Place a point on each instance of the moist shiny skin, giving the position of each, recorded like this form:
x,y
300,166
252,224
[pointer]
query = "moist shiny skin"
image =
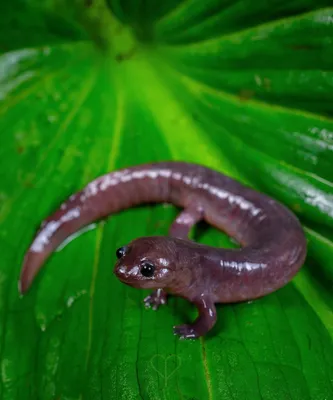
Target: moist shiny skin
x,y
272,242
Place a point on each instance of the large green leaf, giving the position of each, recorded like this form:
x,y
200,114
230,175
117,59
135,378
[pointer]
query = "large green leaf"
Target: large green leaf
x,y
88,87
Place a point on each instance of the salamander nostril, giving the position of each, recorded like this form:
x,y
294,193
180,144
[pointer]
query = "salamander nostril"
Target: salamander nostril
x,y
120,271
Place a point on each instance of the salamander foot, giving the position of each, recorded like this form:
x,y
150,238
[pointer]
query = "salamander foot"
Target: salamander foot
x,y
185,331
157,298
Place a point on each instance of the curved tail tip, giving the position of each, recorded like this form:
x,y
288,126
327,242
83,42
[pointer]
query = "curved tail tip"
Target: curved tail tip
x,y
31,266
23,283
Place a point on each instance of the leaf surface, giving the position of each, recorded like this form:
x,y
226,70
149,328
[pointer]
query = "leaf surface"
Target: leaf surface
x,y
88,87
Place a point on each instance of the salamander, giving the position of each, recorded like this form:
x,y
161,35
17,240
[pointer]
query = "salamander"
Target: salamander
x,y
272,244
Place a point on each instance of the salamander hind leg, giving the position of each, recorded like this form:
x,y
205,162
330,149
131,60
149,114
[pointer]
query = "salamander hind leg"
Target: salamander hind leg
x,y
204,322
157,298
185,221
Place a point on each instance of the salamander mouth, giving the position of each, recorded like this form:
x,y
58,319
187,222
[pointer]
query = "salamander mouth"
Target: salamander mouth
x,y
130,282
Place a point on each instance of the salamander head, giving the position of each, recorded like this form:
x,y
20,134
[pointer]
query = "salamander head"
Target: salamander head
x,y
148,262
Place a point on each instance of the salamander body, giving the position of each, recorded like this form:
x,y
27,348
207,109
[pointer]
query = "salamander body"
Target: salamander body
x,y
272,241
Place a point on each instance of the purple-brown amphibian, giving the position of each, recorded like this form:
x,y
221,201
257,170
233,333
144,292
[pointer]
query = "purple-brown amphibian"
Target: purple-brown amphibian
x,y
272,242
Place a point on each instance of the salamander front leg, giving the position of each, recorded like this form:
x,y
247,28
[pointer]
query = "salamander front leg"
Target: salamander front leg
x,y
185,221
157,298
204,322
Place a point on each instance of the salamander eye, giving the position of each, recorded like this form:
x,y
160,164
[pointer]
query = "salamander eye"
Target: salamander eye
x,y
121,251
147,269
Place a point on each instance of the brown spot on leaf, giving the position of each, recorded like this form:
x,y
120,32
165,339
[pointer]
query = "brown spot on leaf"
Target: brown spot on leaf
x,y
267,83
125,56
303,47
246,94
28,184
